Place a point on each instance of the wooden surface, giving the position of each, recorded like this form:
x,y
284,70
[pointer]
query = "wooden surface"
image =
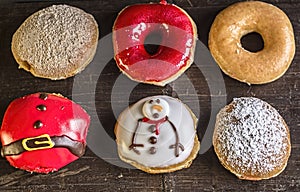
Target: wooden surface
x,y
92,173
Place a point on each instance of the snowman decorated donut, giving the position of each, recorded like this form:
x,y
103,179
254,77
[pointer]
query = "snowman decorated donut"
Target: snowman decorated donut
x,y
157,135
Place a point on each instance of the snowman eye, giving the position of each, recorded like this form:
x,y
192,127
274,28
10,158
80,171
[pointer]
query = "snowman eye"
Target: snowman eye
x,y
157,101
151,101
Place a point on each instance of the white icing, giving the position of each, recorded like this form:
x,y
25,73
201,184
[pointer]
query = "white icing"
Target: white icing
x,y
178,114
158,107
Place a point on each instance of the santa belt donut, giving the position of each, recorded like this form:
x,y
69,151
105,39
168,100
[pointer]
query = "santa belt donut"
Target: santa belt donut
x,y
43,142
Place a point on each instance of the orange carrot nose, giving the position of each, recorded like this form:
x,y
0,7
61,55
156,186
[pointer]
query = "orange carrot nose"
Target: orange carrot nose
x,y
157,107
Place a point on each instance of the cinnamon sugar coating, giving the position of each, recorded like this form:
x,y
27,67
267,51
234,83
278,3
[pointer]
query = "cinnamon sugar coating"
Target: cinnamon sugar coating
x,y
56,42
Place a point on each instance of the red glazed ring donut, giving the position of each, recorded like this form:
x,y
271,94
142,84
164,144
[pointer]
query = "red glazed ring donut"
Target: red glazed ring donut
x,y
175,52
43,132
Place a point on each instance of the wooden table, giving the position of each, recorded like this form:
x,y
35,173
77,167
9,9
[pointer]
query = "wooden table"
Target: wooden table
x,y
91,172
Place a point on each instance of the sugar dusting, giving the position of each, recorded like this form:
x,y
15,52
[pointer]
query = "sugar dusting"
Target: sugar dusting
x,y
252,136
56,38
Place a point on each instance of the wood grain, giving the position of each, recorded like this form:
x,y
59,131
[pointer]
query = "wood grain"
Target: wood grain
x,y
92,173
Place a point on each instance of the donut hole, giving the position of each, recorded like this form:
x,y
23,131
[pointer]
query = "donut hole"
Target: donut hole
x,y
152,42
252,42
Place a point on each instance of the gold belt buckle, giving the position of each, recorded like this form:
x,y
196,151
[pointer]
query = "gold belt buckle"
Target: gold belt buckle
x,y
37,143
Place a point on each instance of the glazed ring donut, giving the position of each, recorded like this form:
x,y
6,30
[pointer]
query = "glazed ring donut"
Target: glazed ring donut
x,y
251,139
175,53
240,19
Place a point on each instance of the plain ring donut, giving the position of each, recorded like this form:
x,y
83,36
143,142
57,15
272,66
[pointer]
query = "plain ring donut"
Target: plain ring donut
x,y
175,53
240,19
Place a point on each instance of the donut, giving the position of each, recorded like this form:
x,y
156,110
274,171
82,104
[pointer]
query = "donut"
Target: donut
x,y
43,132
56,42
243,18
251,139
175,33
157,134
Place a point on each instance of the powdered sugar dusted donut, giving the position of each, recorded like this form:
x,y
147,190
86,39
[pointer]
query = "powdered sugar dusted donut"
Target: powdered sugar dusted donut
x,y
251,139
157,134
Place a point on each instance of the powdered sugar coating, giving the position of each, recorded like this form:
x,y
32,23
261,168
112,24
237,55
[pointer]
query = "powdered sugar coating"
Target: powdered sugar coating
x,y
251,138
56,41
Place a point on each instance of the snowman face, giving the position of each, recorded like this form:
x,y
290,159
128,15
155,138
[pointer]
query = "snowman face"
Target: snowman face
x,y
156,108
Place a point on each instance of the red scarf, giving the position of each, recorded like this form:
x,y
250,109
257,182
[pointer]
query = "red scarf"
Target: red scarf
x,y
155,122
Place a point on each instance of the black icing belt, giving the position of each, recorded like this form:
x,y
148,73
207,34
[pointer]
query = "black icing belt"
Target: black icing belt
x,y
43,142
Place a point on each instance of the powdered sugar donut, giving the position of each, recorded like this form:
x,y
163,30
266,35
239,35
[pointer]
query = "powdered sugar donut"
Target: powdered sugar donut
x,y
251,139
157,134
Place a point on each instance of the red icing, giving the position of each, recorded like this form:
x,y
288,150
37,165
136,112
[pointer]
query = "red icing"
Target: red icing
x,y
155,122
163,2
61,117
135,23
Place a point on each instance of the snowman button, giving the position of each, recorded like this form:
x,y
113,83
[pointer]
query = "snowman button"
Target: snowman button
x,y
152,129
152,150
153,140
